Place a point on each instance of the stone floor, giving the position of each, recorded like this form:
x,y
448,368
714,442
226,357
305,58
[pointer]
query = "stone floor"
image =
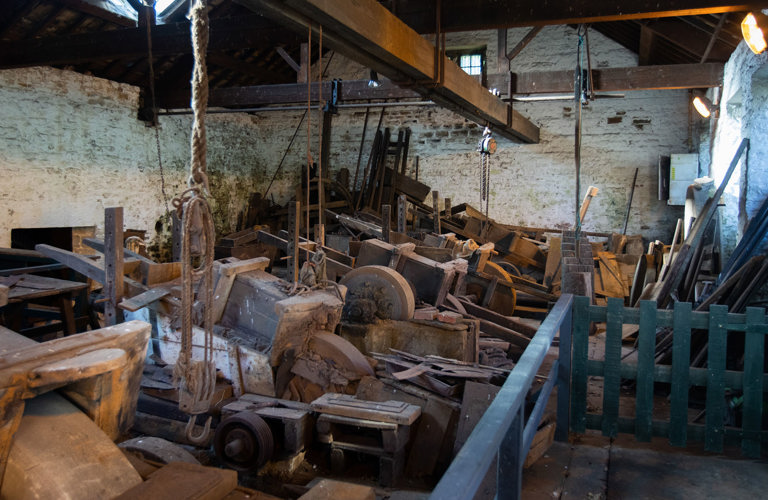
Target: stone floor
x,y
595,467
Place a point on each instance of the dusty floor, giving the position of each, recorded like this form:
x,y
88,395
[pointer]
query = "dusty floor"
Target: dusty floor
x,y
595,467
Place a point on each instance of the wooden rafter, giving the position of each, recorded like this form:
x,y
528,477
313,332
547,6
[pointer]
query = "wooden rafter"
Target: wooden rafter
x,y
468,15
368,33
292,93
169,39
674,76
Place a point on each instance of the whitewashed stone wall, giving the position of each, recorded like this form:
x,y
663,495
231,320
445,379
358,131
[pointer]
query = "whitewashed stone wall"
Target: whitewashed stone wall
x,y
70,145
743,114
534,184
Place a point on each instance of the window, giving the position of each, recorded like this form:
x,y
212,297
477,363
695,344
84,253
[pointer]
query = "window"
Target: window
x,y
471,60
472,63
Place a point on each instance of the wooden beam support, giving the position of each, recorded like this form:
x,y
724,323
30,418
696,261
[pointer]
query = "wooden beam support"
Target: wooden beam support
x,y
673,76
370,34
168,39
470,15
291,93
688,39
288,59
528,38
113,264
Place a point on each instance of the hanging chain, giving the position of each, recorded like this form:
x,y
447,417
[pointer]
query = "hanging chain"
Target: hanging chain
x,y
162,174
486,147
155,119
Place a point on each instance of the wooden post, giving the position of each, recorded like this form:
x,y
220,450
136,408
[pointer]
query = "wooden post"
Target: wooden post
x,y
386,222
113,265
293,244
448,208
436,212
402,207
323,171
303,74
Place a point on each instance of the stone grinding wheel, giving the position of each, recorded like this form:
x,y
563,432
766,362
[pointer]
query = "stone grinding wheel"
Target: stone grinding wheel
x,y
379,285
244,441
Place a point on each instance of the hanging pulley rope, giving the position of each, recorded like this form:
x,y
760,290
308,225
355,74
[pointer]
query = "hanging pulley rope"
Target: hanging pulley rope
x,y
197,378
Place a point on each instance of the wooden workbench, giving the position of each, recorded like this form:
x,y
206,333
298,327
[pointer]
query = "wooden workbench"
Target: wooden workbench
x,y
26,289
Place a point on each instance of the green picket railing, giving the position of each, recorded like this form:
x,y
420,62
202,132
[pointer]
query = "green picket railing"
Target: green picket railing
x,y
680,375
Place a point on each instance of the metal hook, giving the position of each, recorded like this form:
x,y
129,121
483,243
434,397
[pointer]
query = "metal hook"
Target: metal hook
x,y
204,437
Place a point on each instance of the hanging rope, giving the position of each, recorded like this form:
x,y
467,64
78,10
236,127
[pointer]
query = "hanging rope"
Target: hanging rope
x,y
197,378
320,125
309,126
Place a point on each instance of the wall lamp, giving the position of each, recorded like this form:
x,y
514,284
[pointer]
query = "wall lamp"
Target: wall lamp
x,y
753,29
373,81
702,104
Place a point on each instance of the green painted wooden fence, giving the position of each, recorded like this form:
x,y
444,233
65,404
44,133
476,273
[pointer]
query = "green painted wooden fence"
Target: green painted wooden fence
x,y
717,323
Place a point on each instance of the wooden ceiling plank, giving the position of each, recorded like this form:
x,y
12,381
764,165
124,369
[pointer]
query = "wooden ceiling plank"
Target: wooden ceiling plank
x,y
367,32
169,39
674,76
470,15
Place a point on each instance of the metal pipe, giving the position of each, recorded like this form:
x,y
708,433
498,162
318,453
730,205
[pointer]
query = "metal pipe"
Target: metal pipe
x,y
299,108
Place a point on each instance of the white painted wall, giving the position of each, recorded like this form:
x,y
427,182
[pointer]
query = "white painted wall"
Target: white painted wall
x,y
743,114
534,185
71,145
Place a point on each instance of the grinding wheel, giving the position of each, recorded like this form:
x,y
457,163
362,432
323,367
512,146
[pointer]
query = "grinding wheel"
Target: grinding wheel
x,y
377,290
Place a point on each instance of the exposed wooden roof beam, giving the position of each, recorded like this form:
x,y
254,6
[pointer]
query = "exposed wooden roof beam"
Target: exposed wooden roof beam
x,y
365,31
675,76
714,37
291,93
101,9
687,38
468,15
169,39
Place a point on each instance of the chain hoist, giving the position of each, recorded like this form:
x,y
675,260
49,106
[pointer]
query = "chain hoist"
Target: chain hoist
x,y
486,147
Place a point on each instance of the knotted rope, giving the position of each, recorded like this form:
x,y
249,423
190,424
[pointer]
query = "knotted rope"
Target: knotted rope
x,y
197,378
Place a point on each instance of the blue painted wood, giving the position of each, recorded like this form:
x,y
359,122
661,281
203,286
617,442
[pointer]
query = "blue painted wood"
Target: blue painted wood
x,y
646,346
564,379
681,362
612,367
466,472
754,349
509,472
538,409
716,351
580,342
